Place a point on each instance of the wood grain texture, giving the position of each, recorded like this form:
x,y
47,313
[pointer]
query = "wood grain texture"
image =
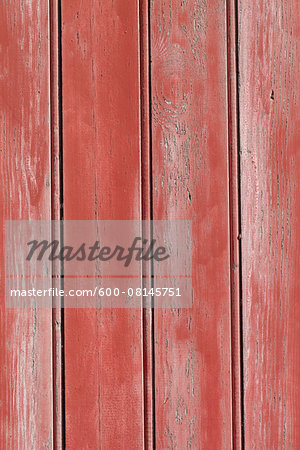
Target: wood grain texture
x,y
190,181
148,123
25,193
102,179
269,121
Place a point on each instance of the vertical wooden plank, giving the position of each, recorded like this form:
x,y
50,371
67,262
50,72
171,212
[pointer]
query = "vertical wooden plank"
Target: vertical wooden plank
x,y
269,118
56,214
102,174
25,193
146,182
190,181
235,226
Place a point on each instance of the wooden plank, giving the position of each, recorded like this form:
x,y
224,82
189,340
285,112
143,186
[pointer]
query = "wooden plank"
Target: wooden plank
x,y
25,193
269,121
56,211
102,176
235,226
146,169
190,181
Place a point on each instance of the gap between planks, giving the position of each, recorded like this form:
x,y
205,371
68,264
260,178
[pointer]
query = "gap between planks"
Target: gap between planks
x,y
238,441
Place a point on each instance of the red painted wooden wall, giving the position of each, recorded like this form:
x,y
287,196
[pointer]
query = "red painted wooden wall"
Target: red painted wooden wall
x,y
157,109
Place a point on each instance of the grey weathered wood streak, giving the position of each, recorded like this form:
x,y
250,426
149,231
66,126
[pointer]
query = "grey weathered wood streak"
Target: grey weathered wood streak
x,y
269,121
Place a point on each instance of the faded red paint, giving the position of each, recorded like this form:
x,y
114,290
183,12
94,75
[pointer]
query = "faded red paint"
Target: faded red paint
x,y
269,96
102,178
190,181
25,193
152,124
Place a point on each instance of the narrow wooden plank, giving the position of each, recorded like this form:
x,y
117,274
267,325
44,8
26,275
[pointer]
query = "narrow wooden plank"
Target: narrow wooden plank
x,y
25,193
269,117
102,175
190,181
56,211
146,169
235,226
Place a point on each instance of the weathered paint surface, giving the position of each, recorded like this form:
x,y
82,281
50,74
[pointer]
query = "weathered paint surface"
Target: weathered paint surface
x,y
25,193
116,384
102,178
269,120
190,181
